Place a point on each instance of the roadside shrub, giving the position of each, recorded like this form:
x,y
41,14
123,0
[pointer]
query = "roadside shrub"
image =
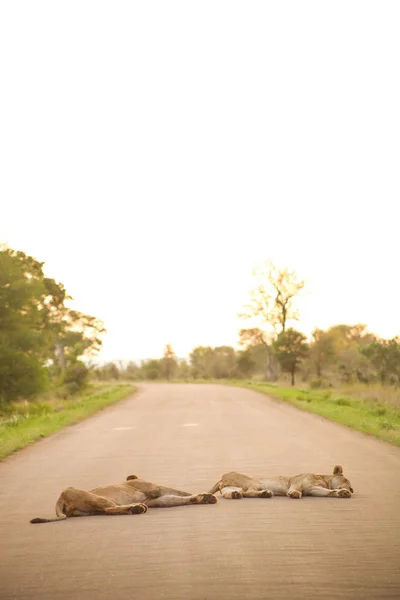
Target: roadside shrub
x,y
315,384
21,375
76,376
342,402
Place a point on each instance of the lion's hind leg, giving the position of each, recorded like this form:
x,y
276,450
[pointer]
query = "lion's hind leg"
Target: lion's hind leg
x,y
257,494
317,490
126,509
79,503
231,492
169,500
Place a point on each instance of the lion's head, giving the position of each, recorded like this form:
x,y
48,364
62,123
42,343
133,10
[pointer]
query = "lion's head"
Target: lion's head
x,y
339,481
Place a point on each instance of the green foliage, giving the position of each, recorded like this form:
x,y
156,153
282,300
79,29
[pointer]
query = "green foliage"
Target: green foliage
x,y
385,357
107,372
152,369
201,360
21,374
37,329
219,363
322,350
290,348
131,371
337,355
76,376
183,370
246,363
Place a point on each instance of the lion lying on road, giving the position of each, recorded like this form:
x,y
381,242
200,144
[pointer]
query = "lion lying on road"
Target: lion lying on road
x,y
134,496
235,485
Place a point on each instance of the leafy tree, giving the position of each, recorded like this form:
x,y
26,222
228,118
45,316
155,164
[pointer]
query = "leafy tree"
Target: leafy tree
x,y
183,371
152,369
207,362
201,360
131,371
290,348
36,326
254,343
385,357
246,364
76,376
21,374
322,350
223,362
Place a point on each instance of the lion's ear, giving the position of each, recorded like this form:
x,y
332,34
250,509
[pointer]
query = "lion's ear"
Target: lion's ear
x,y
338,470
132,477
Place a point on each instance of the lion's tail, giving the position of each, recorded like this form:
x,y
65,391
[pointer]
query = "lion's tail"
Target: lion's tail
x,y
61,516
216,488
40,520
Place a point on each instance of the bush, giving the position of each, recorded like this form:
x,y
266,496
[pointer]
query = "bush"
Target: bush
x,y
315,384
21,375
75,376
342,402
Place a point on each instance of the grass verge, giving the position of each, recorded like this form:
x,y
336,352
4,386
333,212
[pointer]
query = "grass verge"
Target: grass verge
x,y
367,416
36,420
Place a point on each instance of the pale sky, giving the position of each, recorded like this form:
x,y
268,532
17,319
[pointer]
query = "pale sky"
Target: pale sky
x,y
151,152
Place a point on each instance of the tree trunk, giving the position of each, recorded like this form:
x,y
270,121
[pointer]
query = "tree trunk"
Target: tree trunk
x,y
292,374
272,365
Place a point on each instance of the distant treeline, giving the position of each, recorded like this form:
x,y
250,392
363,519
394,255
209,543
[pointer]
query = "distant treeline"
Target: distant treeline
x,y
340,354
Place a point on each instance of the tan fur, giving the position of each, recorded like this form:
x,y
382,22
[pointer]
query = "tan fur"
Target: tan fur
x,y
134,496
236,485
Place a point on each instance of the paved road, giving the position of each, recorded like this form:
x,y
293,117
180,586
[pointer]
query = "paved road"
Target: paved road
x,y
186,436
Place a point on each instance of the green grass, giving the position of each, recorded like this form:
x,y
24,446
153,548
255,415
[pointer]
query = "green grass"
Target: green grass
x,y
31,421
365,415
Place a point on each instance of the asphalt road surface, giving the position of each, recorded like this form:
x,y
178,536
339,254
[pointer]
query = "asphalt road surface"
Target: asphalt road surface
x,y
186,436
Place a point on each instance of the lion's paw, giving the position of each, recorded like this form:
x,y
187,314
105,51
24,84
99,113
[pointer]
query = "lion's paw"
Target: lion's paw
x,y
266,494
207,499
294,494
343,493
138,509
235,495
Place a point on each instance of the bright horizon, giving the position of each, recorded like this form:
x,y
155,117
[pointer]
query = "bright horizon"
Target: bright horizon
x,y
153,153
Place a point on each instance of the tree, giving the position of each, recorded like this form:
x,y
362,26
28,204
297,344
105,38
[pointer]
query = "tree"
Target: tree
x,y
290,348
200,361
339,348
152,369
131,371
255,352
245,363
272,302
21,375
272,306
322,350
169,362
385,357
183,371
218,363
36,326
223,362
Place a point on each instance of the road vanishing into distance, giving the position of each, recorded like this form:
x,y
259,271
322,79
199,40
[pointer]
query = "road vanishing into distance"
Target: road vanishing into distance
x,y
186,436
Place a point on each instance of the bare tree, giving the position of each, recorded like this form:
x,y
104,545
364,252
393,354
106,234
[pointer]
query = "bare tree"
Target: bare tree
x,y
272,306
